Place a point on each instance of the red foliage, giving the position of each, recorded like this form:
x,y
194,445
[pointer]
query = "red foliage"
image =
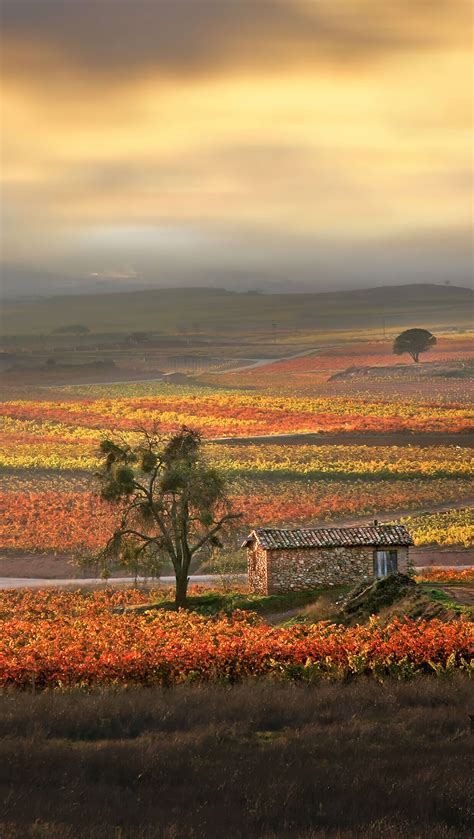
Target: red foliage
x,y
447,575
67,521
61,640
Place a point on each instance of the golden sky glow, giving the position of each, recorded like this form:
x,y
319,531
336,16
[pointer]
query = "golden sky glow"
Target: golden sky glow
x,y
301,140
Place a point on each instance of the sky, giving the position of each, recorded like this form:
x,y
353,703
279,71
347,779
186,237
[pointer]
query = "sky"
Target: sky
x,y
284,144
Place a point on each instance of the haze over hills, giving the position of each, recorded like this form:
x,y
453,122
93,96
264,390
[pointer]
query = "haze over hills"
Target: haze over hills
x,y
285,265
217,310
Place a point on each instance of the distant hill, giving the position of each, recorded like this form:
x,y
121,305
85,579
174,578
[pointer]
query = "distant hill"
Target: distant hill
x,y
217,311
18,281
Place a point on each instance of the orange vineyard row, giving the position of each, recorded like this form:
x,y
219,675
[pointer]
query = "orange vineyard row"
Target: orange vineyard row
x,y
62,640
67,520
232,414
446,575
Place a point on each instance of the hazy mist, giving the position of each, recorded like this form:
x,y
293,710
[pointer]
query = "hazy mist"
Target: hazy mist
x,y
274,145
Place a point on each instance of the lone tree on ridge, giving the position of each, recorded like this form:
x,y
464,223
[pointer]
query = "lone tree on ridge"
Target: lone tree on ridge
x,y
414,342
173,503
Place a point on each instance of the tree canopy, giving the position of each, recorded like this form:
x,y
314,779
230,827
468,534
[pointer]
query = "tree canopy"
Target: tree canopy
x,y
414,342
172,503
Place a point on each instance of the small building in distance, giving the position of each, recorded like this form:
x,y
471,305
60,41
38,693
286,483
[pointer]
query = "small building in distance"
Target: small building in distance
x,y
293,560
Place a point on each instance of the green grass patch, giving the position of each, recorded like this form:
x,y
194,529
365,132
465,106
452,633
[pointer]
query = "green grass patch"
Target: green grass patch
x,y
211,603
442,597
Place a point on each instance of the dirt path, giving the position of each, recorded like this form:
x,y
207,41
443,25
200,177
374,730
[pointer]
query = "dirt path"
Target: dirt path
x,y
464,595
392,515
111,377
206,580
430,438
262,362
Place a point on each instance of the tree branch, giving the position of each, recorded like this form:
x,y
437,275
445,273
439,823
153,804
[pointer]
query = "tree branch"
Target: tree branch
x,y
220,524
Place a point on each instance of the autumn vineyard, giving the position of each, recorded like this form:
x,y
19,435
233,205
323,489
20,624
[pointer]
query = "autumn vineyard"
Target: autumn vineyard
x,y
48,457
49,454
65,640
236,420
332,437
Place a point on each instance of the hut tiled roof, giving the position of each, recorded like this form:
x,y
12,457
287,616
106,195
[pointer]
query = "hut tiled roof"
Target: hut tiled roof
x,y
376,535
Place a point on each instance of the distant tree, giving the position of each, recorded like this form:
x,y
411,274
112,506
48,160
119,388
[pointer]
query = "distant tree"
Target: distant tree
x,y
173,503
414,342
139,338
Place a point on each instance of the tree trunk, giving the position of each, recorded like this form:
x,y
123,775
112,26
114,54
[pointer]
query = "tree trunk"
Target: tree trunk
x,y
415,356
181,590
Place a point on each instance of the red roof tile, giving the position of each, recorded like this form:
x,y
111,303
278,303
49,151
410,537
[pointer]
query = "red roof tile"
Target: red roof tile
x,y
377,535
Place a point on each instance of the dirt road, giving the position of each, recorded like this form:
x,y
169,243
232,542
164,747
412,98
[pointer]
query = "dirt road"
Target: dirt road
x,y
262,362
209,580
464,595
348,438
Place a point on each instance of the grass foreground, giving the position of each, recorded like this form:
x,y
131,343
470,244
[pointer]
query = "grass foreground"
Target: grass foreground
x,y
259,759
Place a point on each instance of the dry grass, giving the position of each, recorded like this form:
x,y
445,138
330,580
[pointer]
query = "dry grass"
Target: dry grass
x,y
255,760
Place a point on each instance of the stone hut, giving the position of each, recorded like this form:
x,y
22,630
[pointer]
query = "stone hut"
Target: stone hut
x,y
293,560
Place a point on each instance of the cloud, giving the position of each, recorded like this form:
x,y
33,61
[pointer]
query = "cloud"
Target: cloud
x,y
115,274
114,39
211,133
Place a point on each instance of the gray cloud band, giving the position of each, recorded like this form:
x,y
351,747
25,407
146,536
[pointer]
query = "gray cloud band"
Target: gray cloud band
x,y
198,36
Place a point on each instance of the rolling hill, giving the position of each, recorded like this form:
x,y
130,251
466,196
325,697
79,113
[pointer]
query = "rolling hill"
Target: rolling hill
x,y
220,312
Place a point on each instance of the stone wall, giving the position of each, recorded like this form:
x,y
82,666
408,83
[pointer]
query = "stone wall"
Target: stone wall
x,y
276,571
257,569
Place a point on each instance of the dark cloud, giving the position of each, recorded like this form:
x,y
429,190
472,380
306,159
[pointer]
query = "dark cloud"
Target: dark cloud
x,y
180,37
